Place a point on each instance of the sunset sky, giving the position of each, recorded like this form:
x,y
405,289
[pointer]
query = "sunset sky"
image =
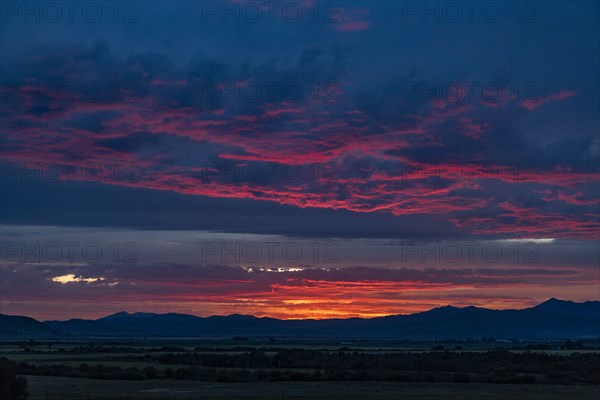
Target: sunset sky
x,y
297,159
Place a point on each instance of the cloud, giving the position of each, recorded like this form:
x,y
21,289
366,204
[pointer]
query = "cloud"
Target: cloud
x,y
532,104
354,19
260,132
361,121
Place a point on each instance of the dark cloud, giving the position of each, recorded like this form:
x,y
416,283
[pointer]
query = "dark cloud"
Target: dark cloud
x,y
74,203
130,143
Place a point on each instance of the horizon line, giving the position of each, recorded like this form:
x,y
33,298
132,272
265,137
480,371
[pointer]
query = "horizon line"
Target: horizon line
x,y
302,319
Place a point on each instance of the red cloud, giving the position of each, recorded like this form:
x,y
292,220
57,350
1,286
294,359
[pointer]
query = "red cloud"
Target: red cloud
x,y
350,20
532,104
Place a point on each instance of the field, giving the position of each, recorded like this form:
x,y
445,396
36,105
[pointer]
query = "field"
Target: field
x,y
188,369
78,388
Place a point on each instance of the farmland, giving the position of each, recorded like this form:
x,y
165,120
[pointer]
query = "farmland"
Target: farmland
x,y
219,369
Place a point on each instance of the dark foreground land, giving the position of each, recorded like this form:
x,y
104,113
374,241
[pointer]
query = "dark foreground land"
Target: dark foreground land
x,y
303,370
77,388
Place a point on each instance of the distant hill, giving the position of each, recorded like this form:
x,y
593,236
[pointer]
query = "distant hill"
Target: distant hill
x,y
15,326
562,307
553,319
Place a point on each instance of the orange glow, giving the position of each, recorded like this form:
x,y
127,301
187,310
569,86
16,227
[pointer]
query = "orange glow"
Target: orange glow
x,y
289,295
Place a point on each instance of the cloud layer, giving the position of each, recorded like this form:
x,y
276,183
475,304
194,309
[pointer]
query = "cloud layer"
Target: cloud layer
x,y
361,120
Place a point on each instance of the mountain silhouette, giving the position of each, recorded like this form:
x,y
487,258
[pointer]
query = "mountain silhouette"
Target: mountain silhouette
x,y
16,325
553,319
562,307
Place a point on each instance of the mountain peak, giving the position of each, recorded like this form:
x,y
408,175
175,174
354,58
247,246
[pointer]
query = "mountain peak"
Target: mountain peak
x,y
121,314
241,316
555,300
145,315
567,307
125,314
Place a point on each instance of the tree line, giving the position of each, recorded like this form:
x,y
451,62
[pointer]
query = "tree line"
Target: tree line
x,y
319,365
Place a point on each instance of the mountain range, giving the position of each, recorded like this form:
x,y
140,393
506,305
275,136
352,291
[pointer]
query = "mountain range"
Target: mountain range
x,y
552,319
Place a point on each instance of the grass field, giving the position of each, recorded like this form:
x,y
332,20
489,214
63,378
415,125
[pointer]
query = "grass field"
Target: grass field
x,y
143,354
58,388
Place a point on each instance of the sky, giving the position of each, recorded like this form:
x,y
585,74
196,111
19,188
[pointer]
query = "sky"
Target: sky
x,y
297,159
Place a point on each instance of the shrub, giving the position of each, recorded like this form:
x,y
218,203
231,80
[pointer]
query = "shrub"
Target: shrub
x,y
12,387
